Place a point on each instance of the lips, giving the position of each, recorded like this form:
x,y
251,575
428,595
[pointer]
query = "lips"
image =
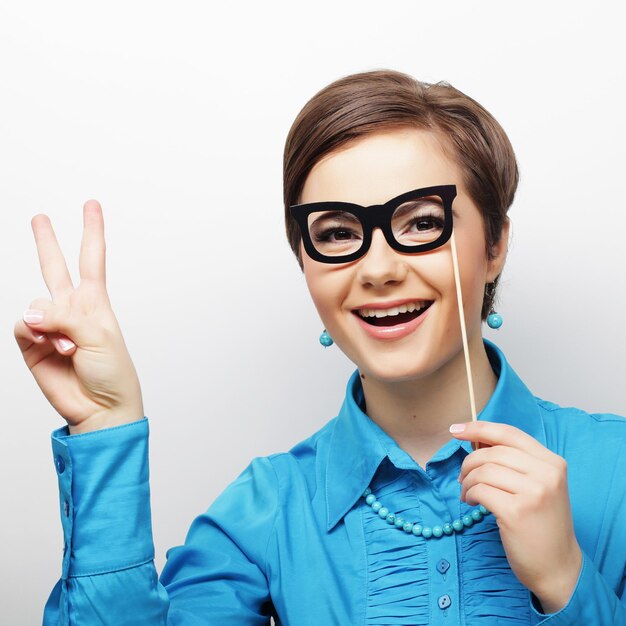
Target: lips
x,y
395,315
388,325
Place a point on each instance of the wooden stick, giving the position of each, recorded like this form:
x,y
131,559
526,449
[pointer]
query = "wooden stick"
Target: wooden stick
x,y
468,365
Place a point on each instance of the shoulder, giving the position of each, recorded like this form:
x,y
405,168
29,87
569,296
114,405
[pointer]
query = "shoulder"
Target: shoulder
x,y
575,417
594,448
305,458
283,470
572,431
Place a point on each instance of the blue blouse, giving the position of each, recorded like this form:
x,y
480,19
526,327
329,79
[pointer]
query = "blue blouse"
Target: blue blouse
x,y
293,538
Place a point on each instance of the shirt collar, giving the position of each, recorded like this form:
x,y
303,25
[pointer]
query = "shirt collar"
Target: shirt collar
x,y
359,445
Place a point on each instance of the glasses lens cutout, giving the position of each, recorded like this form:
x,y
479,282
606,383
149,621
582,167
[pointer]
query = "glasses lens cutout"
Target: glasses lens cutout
x,y
419,221
335,233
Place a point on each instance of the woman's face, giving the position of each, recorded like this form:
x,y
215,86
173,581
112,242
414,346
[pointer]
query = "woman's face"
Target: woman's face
x,y
413,345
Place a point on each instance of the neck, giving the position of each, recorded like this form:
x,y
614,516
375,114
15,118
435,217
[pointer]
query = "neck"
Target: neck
x,y
417,413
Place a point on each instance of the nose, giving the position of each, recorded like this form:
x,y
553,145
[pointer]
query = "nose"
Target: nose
x,y
381,265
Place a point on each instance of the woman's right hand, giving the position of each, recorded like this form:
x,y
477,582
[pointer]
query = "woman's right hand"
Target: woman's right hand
x,y
76,351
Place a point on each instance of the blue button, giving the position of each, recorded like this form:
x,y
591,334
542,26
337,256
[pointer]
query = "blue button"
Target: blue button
x,y
444,601
59,463
443,566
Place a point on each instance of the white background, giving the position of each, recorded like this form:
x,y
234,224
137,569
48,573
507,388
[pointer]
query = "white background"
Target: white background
x,y
174,115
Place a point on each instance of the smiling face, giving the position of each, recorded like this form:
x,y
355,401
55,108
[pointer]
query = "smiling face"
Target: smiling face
x,y
395,315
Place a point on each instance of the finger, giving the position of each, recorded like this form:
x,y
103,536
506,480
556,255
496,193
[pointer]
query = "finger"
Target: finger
x,y
29,340
51,259
44,316
26,337
494,433
501,455
93,248
496,501
498,476
34,350
34,314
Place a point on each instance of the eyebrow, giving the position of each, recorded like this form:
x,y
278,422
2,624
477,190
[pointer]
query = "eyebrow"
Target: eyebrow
x,y
410,205
310,205
336,215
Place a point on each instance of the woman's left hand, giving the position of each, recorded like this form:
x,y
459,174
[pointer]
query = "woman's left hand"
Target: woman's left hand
x,y
524,485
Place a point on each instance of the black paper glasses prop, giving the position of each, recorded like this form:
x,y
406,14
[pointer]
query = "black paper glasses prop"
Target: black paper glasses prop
x,y
339,232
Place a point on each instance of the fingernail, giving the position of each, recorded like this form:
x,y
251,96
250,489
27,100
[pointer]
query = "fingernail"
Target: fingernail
x,y
33,316
457,428
66,344
40,337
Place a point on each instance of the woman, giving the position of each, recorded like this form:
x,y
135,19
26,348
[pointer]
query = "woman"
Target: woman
x,y
383,516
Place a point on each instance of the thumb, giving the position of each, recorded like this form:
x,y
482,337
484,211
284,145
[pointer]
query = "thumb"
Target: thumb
x,y
63,345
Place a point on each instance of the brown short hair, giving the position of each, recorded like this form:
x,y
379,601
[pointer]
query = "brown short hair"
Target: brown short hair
x,y
362,104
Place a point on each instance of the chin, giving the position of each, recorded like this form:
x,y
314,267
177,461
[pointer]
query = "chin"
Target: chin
x,y
399,368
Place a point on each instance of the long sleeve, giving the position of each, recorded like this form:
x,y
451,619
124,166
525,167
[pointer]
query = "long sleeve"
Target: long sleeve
x,y
592,603
594,448
108,574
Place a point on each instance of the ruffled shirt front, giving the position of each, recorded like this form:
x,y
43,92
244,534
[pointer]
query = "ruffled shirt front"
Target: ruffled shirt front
x,y
292,537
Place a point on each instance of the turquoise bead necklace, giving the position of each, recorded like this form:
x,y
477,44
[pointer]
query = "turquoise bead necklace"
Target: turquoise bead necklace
x,y
410,528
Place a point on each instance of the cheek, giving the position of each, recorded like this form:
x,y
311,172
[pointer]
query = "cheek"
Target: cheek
x,y
473,266
437,270
434,273
326,285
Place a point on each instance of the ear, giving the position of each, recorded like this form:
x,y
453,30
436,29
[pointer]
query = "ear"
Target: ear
x,y
499,251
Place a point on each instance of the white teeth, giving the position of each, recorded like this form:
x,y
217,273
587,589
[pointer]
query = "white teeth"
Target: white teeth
x,y
409,307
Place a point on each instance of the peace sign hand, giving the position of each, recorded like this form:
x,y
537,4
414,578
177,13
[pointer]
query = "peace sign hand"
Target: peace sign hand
x,y
72,344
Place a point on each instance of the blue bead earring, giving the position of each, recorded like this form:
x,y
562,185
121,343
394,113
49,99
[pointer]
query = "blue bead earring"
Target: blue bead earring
x,y
326,340
494,320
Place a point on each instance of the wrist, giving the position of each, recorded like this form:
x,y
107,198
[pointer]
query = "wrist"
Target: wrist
x,y
106,419
555,596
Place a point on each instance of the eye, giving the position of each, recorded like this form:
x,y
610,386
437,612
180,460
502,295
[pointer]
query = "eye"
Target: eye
x,y
331,234
426,223
336,228
419,221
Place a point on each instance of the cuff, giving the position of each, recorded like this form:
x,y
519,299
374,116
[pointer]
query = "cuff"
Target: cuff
x,y
104,498
591,602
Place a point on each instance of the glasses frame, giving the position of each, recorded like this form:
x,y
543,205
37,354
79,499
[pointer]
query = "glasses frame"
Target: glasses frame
x,y
375,216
